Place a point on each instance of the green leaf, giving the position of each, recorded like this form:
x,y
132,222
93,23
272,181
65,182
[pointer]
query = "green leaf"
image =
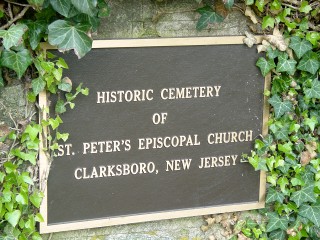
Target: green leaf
x,y
278,235
38,85
13,36
309,63
305,7
274,196
313,37
311,122
267,21
299,46
283,182
36,32
61,63
208,16
36,198
104,10
280,107
260,5
33,131
306,194
286,65
265,66
37,4
62,6
39,218
22,198
13,217
276,222
64,86
60,107
228,4
314,90
85,6
18,62
311,212
67,36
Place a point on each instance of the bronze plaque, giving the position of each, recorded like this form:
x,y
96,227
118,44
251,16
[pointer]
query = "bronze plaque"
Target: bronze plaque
x,y
161,134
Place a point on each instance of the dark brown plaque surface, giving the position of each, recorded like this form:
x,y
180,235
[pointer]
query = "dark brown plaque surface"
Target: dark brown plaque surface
x,y
152,150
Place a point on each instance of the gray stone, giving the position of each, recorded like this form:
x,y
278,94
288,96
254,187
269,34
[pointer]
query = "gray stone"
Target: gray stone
x,y
146,18
13,104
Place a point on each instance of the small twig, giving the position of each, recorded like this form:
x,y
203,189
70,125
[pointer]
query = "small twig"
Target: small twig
x,y
235,6
16,18
10,11
295,2
50,236
290,6
18,4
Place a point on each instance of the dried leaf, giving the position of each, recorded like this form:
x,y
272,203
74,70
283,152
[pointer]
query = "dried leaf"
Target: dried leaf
x,y
204,228
212,237
305,158
250,40
249,13
210,221
221,9
4,130
277,40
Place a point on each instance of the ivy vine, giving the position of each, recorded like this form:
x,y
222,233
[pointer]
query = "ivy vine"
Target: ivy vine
x,y
24,24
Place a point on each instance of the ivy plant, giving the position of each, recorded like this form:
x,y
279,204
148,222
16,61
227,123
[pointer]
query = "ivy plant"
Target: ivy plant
x,y
66,25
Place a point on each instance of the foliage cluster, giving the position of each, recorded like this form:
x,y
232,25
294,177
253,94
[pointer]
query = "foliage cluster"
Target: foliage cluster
x,y
24,24
290,153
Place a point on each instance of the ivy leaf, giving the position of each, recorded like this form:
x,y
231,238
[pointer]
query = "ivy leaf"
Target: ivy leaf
x,y
85,6
36,198
313,37
286,65
311,122
13,36
300,47
280,107
67,36
274,196
305,7
260,5
309,63
33,131
311,212
38,85
314,90
60,107
208,16
283,182
22,198
276,222
267,21
37,4
265,66
104,9
36,32
61,6
306,194
278,234
228,4
18,62
13,217
282,133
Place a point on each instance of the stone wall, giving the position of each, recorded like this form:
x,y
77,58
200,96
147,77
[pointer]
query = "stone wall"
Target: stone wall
x,y
142,19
